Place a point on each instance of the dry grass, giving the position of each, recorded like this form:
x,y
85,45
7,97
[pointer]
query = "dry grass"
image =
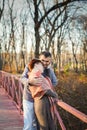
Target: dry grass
x,y
72,89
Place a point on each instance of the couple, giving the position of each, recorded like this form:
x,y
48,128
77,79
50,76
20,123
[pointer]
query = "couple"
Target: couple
x,y
38,87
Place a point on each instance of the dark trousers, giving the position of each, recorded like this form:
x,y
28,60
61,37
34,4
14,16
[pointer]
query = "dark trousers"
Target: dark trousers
x,y
43,114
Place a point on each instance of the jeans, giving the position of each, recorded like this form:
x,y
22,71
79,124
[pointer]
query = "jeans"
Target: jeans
x,y
29,116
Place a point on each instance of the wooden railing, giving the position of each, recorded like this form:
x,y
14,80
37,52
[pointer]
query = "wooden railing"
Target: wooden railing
x,y
14,88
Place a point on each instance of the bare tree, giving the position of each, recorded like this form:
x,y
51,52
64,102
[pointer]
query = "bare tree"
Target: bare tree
x,y
23,53
38,18
2,5
83,35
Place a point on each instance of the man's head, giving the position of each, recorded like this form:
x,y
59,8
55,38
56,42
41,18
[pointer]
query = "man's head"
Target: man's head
x,y
45,58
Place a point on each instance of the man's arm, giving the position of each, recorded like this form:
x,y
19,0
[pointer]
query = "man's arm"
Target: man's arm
x,y
53,78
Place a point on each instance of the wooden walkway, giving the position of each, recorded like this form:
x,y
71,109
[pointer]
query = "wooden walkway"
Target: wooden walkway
x,y
10,118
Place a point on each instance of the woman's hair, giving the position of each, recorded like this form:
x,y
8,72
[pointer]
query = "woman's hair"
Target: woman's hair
x,y
33,62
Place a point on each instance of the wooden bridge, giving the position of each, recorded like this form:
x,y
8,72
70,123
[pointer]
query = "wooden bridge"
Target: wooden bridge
x,y
11,114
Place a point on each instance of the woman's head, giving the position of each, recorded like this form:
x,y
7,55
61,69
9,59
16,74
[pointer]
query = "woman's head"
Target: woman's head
x,y
36,63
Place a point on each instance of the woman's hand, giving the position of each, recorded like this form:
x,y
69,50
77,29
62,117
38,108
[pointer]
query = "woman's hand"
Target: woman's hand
x,y
51,93
35,81
55,95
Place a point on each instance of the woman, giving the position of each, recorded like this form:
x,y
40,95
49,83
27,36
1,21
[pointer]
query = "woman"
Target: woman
x,y
43,97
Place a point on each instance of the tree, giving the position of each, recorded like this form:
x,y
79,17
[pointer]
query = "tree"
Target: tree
x,y
2,5
38,16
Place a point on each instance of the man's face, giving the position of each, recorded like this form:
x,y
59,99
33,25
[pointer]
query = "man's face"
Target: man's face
x,y
45,60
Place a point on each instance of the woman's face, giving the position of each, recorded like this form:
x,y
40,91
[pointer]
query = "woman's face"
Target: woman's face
x,y
40,67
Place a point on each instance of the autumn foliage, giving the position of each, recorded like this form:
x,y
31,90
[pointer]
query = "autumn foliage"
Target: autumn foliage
x,y
72,89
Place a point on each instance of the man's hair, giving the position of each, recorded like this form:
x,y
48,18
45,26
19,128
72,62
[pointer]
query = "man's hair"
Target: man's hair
x,y
45,53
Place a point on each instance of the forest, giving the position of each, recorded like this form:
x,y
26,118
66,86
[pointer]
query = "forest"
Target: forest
x,y
27,27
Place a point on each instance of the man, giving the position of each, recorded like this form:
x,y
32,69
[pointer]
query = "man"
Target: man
x,y
28,105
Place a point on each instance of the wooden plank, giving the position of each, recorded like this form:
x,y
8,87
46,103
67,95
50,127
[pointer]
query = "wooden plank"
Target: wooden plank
x,y
10,118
